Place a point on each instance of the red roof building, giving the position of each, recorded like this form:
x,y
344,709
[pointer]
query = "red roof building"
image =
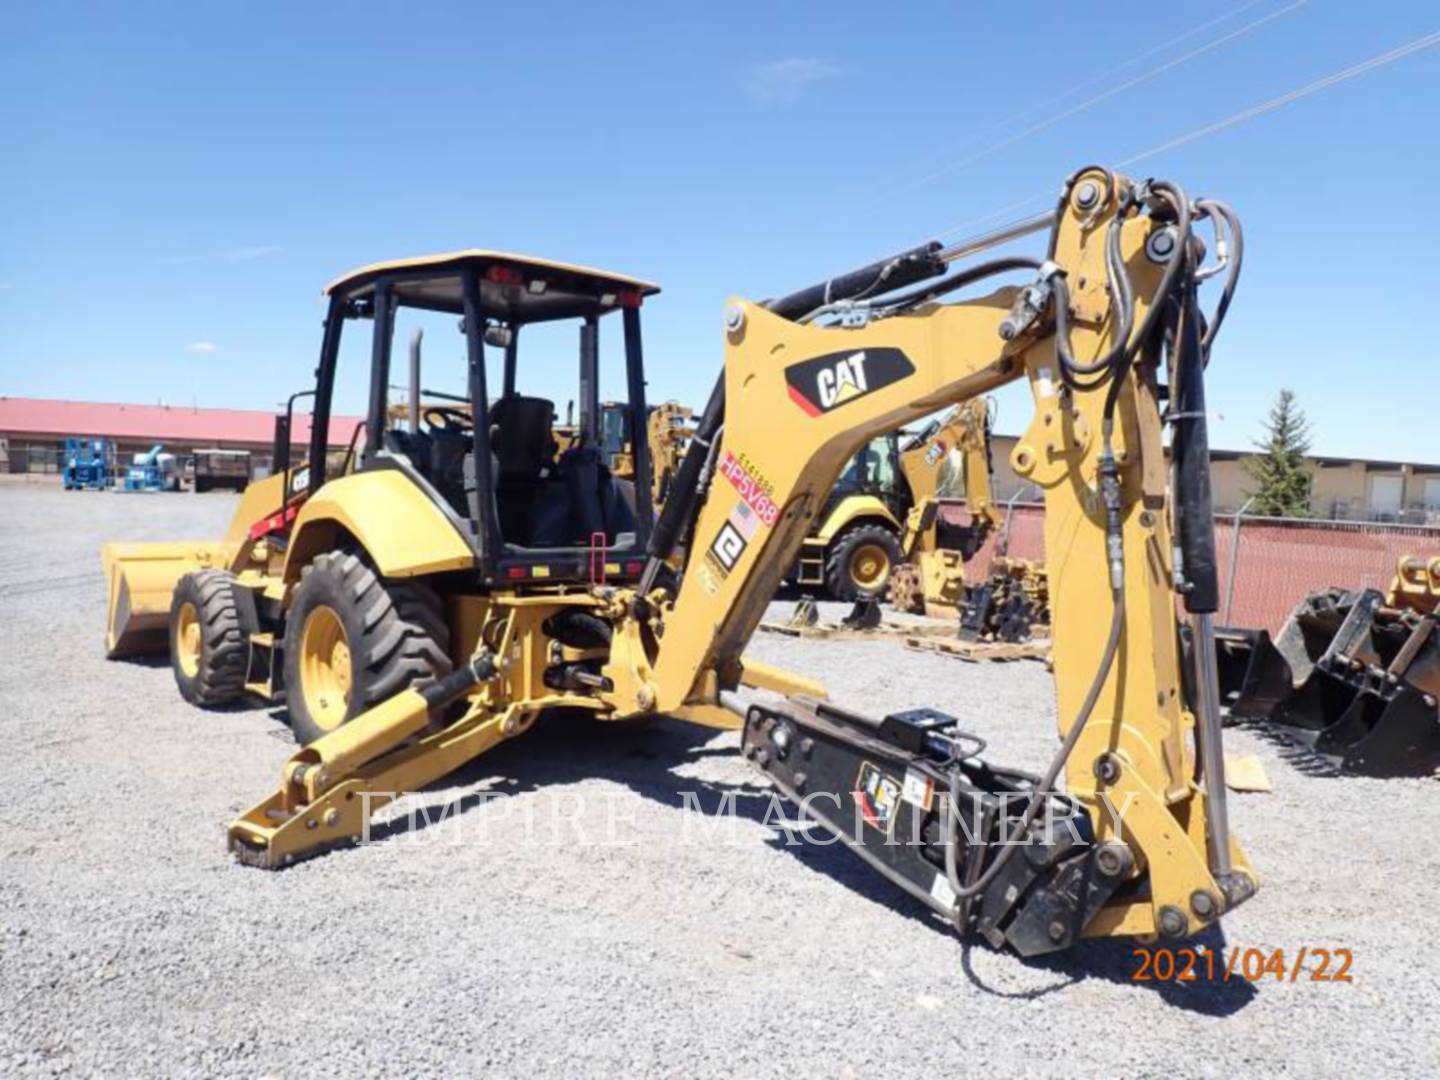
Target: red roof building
x,y
33,430
244,429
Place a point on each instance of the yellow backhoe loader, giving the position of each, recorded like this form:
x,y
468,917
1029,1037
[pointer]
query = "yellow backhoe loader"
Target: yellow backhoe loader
x,y
931,578
668,431
457,582
855,545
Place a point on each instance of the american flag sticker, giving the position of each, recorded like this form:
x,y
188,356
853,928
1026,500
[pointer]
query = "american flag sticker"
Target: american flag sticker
x,y
745,520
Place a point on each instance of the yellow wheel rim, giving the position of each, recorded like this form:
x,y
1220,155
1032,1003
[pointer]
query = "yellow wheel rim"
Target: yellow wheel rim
x,y
869,566
187,640
325,670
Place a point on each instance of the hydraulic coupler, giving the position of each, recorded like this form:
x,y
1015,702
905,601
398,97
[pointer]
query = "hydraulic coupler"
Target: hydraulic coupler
x,y
907,795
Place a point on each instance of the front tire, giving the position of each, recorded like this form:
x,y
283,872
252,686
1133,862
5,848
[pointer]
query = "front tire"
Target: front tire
x,y
861,561
208,651
353,640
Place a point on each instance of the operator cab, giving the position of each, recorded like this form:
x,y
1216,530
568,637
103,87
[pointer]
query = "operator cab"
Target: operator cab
x,y
531,505
874,470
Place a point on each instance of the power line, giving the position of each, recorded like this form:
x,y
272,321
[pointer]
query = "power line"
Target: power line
x,y
1400,52
1418,45
1128,84
1109,71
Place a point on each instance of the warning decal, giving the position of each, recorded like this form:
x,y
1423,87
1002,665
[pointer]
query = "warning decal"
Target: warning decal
x,y
877,796
919,790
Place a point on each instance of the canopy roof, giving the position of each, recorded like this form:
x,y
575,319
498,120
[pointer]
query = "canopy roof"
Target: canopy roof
x,y
516,288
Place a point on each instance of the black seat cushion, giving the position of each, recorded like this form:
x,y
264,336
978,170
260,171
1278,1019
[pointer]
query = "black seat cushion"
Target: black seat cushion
x,y
522,438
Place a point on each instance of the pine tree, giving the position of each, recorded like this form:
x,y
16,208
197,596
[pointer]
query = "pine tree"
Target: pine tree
x,y
1281,473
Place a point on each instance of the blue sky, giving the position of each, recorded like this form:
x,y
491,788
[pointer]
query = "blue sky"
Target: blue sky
x,y
179,181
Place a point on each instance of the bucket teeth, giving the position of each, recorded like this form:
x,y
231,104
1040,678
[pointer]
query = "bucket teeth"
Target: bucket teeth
x,y
1349,677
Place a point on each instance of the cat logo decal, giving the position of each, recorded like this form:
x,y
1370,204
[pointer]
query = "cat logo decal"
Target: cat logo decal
x,y
827,382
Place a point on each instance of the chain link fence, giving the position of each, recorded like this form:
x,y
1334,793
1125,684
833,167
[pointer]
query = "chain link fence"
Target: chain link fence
x,y
1267,565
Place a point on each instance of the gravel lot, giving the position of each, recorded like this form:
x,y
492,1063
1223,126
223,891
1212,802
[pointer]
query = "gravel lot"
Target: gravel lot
x,y
627,936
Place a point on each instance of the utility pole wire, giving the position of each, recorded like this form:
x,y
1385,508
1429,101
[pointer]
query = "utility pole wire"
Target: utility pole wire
x,y
1128,84
1035,106
1425,41
1418,45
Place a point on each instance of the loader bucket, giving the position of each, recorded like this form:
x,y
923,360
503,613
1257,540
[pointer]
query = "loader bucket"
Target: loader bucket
x,y
140,579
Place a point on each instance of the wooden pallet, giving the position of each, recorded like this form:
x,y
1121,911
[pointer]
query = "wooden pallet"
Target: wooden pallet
x,y
975,652
838,632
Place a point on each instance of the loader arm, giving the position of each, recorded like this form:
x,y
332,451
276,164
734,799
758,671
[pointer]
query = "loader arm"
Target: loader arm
x,y
1094,446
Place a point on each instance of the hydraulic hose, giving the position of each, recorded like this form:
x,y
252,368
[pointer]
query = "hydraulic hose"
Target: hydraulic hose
x,y
1122,297
962,279
1221,212
1047,781
1122,352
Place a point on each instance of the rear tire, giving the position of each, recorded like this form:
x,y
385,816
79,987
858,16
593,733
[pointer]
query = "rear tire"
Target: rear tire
x,y
208,650
861,561
353,640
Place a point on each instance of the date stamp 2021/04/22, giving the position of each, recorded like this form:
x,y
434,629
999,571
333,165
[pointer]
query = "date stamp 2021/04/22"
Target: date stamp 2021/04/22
x,y
1308,963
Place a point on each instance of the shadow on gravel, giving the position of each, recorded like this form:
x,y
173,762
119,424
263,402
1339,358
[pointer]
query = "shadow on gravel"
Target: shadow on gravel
x,y
1117,961
644,757
150,660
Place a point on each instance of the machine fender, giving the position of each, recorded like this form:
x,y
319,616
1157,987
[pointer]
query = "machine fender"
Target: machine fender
x,y
851,510
401,529
260,499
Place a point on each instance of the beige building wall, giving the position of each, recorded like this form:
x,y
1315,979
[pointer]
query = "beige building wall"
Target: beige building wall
x,y
1345,489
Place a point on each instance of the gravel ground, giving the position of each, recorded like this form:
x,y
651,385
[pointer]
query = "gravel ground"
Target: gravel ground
x,y
579,914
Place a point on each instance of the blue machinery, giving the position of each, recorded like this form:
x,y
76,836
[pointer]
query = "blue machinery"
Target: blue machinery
x,y
87,463
153,470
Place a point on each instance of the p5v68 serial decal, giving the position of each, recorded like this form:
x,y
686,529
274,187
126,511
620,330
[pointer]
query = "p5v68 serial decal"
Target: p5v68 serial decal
x,y
827,382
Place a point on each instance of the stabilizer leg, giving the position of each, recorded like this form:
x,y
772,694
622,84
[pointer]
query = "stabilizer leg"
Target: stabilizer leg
x,y
328,789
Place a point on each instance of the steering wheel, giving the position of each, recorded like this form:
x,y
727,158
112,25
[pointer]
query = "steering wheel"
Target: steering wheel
x,y
444,418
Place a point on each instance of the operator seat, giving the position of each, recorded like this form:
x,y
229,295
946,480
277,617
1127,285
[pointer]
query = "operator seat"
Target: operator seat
x,y
522,442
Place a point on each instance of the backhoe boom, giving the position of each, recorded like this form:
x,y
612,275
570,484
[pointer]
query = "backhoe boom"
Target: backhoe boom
x,y
1087,336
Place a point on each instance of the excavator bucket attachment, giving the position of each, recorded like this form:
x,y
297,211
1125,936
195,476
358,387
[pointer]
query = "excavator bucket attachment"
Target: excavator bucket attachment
x,y
1254,677
1349,676
140,579
805,615
865,615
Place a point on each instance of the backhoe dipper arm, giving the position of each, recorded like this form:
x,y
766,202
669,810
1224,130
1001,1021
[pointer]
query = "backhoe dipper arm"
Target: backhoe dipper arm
x,y
798,400
965,428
